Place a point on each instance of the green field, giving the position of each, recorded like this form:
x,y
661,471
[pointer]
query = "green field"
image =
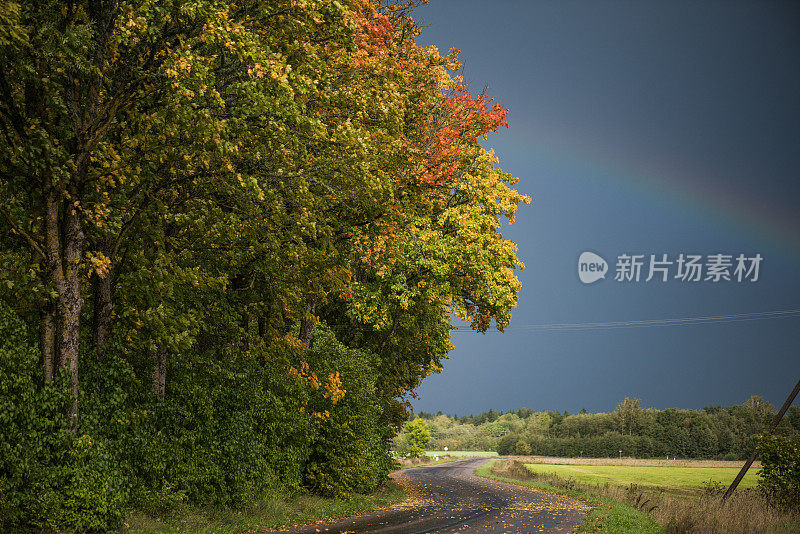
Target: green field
x,y
462,454
666,477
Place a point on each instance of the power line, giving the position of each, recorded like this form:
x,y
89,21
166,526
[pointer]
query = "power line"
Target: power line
x,y
683,321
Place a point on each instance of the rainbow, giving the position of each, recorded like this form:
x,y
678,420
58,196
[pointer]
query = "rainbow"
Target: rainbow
x,y
747,218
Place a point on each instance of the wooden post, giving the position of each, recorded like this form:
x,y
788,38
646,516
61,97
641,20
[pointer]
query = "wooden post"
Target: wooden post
x,y
773,426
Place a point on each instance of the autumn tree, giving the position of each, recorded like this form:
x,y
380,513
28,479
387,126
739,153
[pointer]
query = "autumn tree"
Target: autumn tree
x,y
417,435
286,200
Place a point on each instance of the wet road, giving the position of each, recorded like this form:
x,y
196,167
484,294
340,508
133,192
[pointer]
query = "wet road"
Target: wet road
x,y
449,498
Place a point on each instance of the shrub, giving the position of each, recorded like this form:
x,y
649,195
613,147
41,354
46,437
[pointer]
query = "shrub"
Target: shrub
x,y
522,448
231,427
349,451
506,444
779,477
48,477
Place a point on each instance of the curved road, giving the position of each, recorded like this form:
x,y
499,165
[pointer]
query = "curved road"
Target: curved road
x,y
449,498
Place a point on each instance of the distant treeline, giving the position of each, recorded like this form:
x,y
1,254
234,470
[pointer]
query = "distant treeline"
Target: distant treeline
x,y
715,432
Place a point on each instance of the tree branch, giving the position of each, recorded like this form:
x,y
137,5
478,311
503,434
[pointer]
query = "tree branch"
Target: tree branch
x,y
36,246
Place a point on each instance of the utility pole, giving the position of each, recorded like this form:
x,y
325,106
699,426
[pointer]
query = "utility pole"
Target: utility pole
x,y
773,426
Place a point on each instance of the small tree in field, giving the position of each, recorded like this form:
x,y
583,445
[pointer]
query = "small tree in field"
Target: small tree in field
x,y
418,435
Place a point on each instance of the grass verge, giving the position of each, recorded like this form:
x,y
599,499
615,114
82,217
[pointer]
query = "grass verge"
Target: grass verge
x,y
271,513
608,516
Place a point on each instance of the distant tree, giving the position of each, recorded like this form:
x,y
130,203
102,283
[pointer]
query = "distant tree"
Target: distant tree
x,y
522,448
793,417
418,435
628,415
524,413
762,409
506,444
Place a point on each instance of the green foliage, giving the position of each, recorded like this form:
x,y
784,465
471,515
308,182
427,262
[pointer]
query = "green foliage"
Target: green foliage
x,y
94,494
417,436
779,477
187,188
723,433
507,444
522,448
349,453
48,477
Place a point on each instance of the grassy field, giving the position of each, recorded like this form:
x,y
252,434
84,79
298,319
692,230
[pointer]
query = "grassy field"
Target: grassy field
x,y
662,477
653,462
625,508
463,454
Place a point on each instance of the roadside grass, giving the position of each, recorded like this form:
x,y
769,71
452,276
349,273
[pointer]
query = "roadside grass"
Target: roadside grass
x,y
669,478
607,516
695,510
271,513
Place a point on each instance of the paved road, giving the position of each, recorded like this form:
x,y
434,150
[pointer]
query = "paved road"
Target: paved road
x,y
449,498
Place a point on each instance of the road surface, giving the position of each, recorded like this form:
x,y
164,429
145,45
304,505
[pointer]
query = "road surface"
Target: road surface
x,y
450,498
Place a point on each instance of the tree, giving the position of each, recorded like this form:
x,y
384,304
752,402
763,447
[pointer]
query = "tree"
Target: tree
x,y
628,415
76,114
779,477
195,194
417,435
522,448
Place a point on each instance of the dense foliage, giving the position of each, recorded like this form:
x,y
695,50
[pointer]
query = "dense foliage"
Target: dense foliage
x,y
232,237
779,477
417,436
715,432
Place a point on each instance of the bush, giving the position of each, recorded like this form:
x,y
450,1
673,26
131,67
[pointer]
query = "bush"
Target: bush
x,y
779,477
350,449
506,445
522,448
48,477
94,493
232,427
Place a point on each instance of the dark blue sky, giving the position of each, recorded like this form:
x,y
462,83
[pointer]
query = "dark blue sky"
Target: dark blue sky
x,y
637,127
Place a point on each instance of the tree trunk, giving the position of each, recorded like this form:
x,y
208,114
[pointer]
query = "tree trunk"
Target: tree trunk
x,y
262,326
71,304
159,372
103,307
246,328
64,248
47,327
47,337
307,324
